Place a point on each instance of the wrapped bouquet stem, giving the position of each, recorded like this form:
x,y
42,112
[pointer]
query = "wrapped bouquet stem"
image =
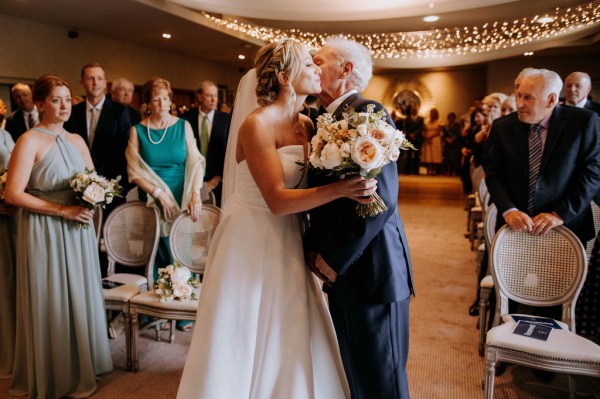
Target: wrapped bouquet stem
x,y
361,143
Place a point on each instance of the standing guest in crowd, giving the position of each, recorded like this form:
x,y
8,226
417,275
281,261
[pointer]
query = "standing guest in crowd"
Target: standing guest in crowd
x,y
543,162
122,92
26,116
474,125
413,128
564,183
431,152
3,111
509,105
366,261
104,125
7,267
578,86
211,130
452,143
164,162
61,332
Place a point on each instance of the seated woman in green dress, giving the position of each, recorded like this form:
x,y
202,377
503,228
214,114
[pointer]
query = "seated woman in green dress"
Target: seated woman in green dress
x,y
164,162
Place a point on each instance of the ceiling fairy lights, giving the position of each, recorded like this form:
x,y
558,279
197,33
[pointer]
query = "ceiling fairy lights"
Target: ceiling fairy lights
x,y
467,40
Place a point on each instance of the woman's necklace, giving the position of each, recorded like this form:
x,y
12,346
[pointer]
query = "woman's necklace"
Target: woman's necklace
x,y
163,135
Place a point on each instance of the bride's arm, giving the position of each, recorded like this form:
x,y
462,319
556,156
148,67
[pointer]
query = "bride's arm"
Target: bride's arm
x,y
259,147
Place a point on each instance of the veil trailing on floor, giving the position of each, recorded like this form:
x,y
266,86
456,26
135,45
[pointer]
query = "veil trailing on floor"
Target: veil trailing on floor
x,y
245,103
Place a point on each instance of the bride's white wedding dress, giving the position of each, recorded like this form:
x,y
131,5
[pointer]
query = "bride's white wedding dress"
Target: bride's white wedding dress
x,y
263,329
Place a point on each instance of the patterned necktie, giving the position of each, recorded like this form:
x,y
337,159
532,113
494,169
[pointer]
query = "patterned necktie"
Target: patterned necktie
x,y
204,137
30,121
535,160
92,127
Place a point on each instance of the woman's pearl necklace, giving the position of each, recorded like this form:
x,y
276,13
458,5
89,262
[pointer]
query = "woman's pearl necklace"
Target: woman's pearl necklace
x,y
163,135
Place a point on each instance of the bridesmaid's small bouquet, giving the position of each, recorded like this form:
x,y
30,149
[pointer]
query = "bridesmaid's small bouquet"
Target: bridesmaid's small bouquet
x,y
3,177
361,143
93,190
176,282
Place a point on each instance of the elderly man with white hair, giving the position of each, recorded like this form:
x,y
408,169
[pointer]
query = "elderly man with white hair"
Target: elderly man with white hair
x,y
26,116
542,165
578,86
365,261
121,91
543,162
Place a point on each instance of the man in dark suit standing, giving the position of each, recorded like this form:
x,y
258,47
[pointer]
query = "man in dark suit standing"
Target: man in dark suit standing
x,y
104,125
364,261
578,86
26,116
542,163
211,130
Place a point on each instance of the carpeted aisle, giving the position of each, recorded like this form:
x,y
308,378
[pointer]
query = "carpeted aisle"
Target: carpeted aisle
x,y
443,361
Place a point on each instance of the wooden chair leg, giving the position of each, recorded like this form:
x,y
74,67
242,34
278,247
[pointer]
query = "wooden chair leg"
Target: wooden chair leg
x,y
488,384
134,341
484,296
127,316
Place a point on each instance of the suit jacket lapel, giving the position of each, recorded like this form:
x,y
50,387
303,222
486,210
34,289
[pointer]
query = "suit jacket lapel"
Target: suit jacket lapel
x,y
555,128
349,100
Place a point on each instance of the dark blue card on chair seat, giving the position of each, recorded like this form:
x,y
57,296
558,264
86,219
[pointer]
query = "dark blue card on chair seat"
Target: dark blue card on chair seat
x,y
541,321
532,330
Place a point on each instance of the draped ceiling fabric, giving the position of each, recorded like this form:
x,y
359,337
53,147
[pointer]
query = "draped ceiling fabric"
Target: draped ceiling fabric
x,y
467,32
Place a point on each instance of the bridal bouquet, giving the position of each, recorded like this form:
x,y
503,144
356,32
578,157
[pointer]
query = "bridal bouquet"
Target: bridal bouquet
x,y
176,282
361,143
3,176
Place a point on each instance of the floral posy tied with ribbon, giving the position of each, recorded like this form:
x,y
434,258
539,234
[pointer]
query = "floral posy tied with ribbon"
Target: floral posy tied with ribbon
x,y
93,190
176,282
361,143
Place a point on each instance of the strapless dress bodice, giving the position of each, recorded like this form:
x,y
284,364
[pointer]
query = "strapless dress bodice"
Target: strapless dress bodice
x,y
247,192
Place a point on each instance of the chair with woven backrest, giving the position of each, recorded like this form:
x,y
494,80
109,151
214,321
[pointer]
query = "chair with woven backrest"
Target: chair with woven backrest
x,y
189,243
540,271
486,285
131,235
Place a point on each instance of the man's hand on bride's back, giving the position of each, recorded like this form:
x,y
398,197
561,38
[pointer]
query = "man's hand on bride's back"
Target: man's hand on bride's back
x,y
358,188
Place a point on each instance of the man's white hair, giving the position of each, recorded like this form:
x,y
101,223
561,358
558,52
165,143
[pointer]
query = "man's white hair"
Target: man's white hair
x,y
121,82
359,56
552,82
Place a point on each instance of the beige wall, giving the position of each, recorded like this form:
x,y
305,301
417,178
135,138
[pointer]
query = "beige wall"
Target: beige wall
x,y
30,49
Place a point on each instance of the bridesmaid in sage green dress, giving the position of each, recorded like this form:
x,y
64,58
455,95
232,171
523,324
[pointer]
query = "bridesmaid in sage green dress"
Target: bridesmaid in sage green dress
x,y
164,162
7,268
61,333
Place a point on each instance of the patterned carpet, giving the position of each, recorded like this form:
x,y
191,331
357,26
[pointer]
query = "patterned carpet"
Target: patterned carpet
x,y
443,361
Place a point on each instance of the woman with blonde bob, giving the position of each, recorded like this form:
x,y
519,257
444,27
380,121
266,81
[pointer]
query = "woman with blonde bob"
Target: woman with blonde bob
x,y
262,320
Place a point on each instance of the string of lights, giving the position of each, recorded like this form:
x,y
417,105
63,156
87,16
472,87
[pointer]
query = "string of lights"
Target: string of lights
x,y
442,42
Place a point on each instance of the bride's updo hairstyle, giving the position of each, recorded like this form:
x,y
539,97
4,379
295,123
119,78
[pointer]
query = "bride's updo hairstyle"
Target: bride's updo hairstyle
x,y
284,56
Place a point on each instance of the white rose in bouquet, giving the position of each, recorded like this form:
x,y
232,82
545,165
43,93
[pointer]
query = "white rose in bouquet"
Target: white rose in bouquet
x,y
181,275
331,156
183,291
93,194
367,153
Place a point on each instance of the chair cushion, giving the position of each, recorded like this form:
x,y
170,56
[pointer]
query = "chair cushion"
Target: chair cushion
x,y
122,293
149,298
561,344
129,279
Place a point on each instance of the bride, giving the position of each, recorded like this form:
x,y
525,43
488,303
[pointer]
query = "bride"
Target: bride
x,y
263,330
